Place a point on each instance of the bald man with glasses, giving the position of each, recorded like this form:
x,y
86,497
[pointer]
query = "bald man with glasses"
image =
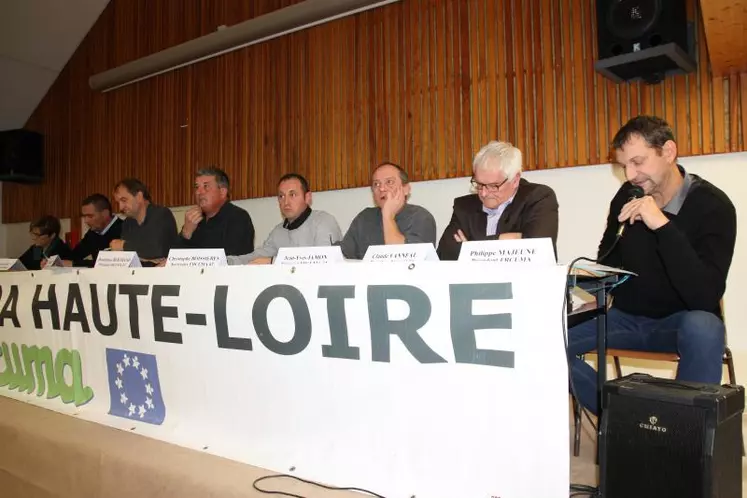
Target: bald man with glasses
x,y
503,205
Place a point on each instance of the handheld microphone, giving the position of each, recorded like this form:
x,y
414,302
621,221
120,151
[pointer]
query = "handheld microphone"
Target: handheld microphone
x,y
635,192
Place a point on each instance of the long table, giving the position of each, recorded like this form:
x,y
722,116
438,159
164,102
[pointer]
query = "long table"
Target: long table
x,y
431,379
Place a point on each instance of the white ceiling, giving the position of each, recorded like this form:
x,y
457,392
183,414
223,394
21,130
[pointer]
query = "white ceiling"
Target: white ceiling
x,y
37,38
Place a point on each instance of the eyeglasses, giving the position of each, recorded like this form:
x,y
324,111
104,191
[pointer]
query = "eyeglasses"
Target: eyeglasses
x,y
490,187
37,235
388,182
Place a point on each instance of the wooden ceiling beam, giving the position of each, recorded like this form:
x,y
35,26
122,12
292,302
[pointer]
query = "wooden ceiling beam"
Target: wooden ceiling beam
x,y
725,23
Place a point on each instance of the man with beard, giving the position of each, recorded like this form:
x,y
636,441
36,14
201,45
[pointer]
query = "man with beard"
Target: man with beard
x,y
215,222
393,220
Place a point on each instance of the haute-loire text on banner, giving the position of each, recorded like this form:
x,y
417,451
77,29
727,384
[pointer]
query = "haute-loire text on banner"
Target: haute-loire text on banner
x,y
430,379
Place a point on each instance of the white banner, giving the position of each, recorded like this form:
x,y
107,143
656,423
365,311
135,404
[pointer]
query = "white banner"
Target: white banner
x,y
444,380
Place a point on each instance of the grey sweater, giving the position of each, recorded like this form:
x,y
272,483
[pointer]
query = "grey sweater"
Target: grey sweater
x,y
415,223
319,229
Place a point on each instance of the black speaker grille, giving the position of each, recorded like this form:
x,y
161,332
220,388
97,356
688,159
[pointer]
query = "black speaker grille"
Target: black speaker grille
x,y
653,446
21,156
627,27
629,19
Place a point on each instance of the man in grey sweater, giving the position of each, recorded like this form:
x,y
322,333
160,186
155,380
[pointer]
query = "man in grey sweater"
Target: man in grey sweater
x,y
393,220
302,227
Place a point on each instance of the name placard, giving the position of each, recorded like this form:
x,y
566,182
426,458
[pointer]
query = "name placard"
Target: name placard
x,y
117,259
52,262
308,255
10,264
196,258
400,253
512,251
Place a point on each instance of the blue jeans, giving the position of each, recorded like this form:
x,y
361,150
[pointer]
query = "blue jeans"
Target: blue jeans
x,y
697,336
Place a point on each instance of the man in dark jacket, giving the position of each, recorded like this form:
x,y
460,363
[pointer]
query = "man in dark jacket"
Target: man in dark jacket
x,y
103,227
149,229
504,205
45,235
215,222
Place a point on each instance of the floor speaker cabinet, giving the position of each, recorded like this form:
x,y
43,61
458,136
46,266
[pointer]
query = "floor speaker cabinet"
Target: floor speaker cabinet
x,y
643,39
662,438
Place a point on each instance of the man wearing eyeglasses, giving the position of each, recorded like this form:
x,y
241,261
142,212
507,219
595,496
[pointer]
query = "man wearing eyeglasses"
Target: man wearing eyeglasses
x,y
46,242
504,205
393,220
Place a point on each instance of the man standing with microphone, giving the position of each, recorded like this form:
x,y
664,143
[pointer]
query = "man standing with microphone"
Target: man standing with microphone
x,y
678,237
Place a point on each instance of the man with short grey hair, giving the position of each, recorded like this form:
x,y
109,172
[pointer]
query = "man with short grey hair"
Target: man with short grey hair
x,y
393,220
216,223
503,205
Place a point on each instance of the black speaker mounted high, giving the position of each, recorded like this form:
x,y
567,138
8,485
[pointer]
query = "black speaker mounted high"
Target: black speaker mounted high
x,y
21,156
643,39
663,438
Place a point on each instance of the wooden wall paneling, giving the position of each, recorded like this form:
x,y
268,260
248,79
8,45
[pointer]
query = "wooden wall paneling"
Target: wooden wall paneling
x,y
471,33
519,79
559,77
533,61
363,156
734,112
509,14
528,74
465,96
579,130
668,104
682,123
719,116
540,122
439,168
569,123
742,110
549,82
450,81
422,83
490,106
423,169
706,95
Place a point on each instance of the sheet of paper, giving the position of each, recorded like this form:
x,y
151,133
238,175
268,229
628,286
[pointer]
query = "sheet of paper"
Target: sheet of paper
x,y
597,270
580,297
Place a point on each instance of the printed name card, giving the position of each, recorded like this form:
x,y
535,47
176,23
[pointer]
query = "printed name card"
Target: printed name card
x,y
401,253
308,255
196,258
117,259
10,264
52,262
513,251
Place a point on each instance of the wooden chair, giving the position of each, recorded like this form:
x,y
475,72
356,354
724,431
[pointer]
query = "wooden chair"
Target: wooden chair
x,y
616,354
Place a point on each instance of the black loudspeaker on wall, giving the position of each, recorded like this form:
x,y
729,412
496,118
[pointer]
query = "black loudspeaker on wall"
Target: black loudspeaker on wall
x,y
663,438
21,156
643,39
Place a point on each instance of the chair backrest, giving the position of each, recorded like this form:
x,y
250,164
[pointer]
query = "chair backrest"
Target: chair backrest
x,y
723,318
